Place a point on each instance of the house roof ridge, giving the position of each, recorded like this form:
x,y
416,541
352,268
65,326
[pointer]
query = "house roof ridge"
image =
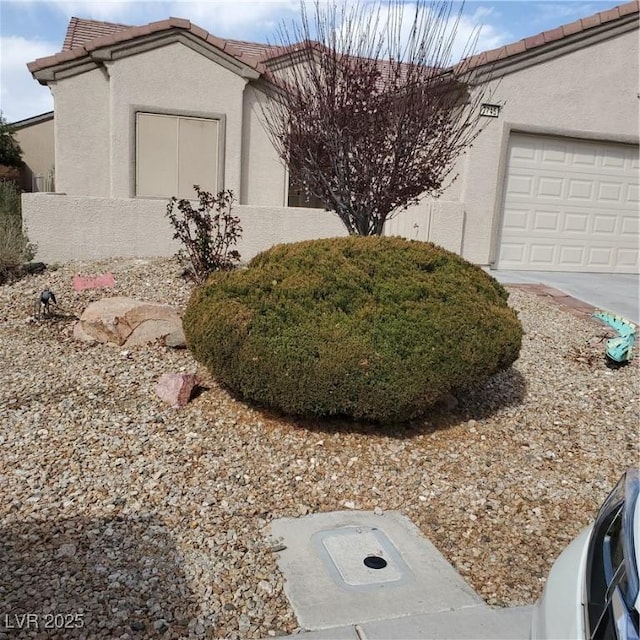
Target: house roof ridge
x,y
84,35
551,35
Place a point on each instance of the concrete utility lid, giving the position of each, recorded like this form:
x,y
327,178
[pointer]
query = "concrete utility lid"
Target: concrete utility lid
x,y
329,584
361,558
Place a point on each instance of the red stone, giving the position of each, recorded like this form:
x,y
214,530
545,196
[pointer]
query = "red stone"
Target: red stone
x,y
176,388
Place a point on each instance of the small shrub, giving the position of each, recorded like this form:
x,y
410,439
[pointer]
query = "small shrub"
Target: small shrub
x,y
15,248
375,328
207,237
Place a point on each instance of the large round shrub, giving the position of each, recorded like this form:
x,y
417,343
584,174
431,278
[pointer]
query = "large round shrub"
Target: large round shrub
x,y
370,327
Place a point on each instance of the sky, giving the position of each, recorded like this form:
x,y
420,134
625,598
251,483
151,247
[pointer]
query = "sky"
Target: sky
x,y
31,29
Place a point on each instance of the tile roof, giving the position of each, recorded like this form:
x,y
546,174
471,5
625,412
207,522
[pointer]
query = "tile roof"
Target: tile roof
x,y
81,31
78,38
553,35
84,36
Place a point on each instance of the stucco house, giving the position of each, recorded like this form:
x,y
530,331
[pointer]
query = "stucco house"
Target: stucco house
x,y
35,137
143,113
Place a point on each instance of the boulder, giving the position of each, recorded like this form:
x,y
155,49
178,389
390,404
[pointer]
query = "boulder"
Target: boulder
x,y
128,322
176,388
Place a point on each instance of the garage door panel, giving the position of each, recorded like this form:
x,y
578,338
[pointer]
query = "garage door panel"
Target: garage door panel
x,y
522,186
546,221
571,257
580,189
605,224
516,219
513,252
614,159
627,258
549,187
610,192
570,205
585,158
554,154
541,255
576,222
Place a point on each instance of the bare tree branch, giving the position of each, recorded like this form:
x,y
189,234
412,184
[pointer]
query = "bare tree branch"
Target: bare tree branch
x,y
366,109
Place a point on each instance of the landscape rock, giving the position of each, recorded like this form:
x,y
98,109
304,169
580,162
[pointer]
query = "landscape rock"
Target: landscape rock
x,y
176,340
176,388
91,457
34,267
102,281
127,322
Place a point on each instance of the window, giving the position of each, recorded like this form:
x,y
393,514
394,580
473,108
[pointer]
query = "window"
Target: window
x,y
175,152
298,198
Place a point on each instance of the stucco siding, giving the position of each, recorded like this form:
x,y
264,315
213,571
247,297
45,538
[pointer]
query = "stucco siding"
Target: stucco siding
x,y
172,79
264,177
81,105
85,228
588,93
38,151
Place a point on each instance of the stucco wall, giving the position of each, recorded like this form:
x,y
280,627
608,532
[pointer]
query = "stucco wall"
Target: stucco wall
x,y
264,176
83,228
589,93
438,221
38,154
178,80
81,105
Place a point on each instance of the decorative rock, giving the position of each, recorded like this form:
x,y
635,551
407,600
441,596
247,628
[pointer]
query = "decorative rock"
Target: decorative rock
x,y
34,267
176,388
176,340
102,281
127,322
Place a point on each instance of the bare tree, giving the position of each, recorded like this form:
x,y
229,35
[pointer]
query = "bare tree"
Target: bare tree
x,y
366,108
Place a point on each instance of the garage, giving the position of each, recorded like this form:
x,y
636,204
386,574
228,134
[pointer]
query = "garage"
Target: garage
x,y
570,205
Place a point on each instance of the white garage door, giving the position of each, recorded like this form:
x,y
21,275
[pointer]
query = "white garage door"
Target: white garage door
x,y
570,205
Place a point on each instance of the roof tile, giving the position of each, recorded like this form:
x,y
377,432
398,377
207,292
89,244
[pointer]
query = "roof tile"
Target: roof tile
x,y
553,34
534,41
610,14
159,25
571,28
515,47
199,31
180,23
590,21
629,7
84,36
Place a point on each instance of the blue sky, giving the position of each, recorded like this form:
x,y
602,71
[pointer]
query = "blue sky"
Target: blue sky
x,y
31,29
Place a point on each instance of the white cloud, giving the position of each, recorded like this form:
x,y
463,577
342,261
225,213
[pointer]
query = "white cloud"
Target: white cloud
x,y
560,12
492,34
239,19
20,95
449,35
228,18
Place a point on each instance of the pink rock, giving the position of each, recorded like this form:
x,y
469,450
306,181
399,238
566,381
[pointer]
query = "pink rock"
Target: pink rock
x,y
103,281
176,388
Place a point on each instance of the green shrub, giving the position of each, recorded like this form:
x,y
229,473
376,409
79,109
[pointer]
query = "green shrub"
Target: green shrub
x,y
375,328
15,248
10,151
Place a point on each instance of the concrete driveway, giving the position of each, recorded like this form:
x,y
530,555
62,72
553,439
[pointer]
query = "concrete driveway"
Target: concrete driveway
x,y
618,293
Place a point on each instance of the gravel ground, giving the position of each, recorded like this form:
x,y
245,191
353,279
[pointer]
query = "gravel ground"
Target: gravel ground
x,y
149,521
